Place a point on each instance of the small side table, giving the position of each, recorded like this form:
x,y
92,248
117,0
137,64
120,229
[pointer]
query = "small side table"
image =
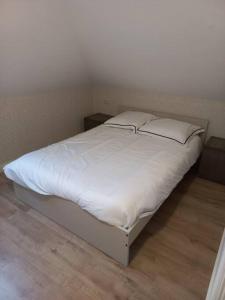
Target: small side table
x,y
212,164
95,120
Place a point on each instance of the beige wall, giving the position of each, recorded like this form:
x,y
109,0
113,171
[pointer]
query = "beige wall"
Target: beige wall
x,y
39,48
28,123
107,100
174,47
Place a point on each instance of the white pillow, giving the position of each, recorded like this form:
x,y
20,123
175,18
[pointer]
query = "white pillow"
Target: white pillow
x,y
171,129
130,120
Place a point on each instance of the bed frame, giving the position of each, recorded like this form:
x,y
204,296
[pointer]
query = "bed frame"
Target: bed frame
x,y
113,241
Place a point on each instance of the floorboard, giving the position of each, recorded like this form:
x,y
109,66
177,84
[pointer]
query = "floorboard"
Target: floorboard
x,y
172,259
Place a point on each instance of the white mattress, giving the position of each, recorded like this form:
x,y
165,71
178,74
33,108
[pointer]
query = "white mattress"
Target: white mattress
x,y
114,174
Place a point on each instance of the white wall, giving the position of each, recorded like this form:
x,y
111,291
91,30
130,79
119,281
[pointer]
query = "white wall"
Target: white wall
x,y
107,99
39,48
39,53
172,47
216,288
31,122
175,47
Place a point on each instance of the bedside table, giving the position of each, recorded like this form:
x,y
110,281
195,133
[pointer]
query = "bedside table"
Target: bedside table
x,y
95,120
212,164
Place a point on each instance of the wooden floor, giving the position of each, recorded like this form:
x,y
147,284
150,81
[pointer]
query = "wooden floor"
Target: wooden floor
x,y
172,259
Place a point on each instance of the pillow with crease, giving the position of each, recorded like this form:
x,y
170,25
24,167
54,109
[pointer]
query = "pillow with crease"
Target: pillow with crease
x,y
171,129
131,120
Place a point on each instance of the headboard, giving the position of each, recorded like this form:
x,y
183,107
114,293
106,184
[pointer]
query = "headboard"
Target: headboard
x,y
196,121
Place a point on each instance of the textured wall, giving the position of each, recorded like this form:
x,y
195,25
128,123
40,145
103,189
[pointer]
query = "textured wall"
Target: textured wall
x,y
28,123
108,99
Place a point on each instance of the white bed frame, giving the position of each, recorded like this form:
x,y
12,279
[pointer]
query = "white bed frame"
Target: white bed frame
x,y
113,241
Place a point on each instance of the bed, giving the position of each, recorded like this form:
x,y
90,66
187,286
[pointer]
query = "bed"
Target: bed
x,y
115,181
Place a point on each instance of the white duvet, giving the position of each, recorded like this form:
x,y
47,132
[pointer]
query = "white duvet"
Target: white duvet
x,y
116,175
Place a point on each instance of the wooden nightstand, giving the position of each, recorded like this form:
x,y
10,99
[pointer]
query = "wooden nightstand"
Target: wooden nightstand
x,y
212,164
95,120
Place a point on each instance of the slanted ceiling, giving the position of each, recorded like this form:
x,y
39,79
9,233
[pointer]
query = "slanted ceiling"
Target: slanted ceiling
x,y
175,47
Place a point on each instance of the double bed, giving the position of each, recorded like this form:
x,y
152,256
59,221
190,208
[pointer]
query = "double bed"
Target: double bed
x,y
105,184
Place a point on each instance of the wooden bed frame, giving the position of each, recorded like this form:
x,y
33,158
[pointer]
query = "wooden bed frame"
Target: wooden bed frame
x,y
113,241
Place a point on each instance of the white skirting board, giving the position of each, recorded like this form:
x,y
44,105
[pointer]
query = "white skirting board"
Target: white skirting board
x,y
216,289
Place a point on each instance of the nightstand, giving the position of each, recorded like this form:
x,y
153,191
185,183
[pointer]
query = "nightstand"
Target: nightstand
x,y
212,164
95,120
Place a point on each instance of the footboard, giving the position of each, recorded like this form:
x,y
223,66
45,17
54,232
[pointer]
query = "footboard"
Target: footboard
x,y
113,241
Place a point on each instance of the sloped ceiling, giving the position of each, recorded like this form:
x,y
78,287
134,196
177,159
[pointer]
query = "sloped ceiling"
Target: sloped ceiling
x,y
175,47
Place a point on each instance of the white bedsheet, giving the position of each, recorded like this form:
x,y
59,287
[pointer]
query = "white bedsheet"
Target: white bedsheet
x,y
114,174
